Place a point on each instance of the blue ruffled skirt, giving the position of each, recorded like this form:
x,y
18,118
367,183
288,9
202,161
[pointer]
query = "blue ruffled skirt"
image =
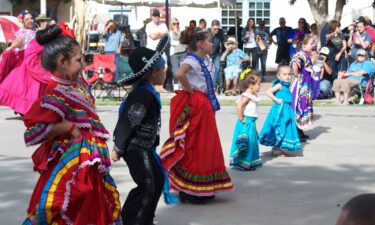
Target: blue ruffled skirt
x,y
280,130
244,154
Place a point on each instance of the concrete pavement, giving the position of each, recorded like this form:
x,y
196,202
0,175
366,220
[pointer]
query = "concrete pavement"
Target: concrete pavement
x,y
338,164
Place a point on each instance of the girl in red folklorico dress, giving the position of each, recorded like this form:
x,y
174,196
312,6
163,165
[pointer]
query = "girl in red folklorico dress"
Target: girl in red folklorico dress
x,y
193,156
75,186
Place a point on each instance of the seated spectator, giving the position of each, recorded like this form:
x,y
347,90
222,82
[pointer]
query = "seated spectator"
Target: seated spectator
x,y
359,210
234,57
352,77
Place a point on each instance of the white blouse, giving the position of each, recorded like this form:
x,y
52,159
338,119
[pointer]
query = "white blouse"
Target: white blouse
x,y
195,76
251,108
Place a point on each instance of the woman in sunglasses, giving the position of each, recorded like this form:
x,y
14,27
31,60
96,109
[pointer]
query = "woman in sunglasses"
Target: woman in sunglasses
x,y
297,35
178,50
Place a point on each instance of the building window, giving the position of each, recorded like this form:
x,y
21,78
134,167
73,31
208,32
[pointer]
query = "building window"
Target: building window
x,y
260,10
228,16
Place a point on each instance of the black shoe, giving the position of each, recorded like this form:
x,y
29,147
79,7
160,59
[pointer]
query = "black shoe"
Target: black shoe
x,y
301,134
186,198
301,139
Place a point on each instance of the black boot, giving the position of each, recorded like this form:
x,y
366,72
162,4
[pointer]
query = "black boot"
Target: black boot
x,y
186,198
301,135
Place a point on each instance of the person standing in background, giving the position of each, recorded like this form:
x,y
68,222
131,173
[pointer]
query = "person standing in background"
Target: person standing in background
x,y
202,24
359,39
142,35
282,44
217,40
248,38
263,42
232,32
155,30
336,44
177,50
113,39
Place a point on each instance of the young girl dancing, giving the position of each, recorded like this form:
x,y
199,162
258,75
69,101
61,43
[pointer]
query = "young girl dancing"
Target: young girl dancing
x,y
279,129
73,159
244,154
193,155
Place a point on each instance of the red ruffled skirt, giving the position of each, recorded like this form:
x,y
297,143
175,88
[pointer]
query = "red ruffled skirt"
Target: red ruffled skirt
x,y
193,155
75,187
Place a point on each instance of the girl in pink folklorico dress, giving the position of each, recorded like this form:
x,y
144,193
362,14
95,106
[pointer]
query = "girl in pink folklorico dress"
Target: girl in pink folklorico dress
x,y
14,54
31,79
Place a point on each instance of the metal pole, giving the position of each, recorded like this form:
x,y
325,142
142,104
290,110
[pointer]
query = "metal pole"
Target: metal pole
x,y
167,13
43,6
236,21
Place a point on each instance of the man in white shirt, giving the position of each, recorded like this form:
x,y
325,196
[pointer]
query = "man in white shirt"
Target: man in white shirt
x,y
155,30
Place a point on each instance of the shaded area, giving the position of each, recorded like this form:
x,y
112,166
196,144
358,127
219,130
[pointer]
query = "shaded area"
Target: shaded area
x,y
281,193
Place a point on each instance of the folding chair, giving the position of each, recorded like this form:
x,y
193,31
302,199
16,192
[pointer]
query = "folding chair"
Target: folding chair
x,y
102,69
124,70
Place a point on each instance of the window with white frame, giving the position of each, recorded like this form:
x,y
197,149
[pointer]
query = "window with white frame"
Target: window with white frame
x,y
228,16
260,10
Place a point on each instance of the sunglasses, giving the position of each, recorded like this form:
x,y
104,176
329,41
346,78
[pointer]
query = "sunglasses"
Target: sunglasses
x,y
301,21
361,55
176,23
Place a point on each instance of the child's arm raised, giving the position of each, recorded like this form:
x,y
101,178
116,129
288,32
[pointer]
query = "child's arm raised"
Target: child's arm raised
x,y
181,77
271,91
241,108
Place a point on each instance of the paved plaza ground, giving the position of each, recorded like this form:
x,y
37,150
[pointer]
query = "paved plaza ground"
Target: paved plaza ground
x,y
338,164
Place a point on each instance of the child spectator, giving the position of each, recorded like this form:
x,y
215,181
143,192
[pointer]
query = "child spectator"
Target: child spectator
x,y
244,154
234,57
280,129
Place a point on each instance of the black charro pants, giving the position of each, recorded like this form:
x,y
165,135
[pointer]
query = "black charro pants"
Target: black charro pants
x,y
140,205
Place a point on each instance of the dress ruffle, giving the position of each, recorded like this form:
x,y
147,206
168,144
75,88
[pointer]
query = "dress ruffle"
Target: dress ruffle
x,y
193,156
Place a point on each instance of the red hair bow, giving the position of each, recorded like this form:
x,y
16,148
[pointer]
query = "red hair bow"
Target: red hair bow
x,y
66,31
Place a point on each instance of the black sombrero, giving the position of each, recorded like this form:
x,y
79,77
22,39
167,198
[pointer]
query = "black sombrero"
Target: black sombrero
x,y
142,59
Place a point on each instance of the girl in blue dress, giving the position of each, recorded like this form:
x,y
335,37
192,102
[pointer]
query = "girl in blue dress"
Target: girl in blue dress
x,y
279,129
244,154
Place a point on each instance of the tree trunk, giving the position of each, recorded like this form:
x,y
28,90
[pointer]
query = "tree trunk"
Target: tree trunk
x,y
319,9
80,22
339,8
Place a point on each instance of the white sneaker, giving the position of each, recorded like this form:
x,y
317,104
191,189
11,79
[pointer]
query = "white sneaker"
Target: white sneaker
x,y
361,101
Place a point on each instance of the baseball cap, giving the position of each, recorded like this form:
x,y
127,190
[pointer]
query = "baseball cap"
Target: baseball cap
x,y
324,51
282,19
361,52
156,13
